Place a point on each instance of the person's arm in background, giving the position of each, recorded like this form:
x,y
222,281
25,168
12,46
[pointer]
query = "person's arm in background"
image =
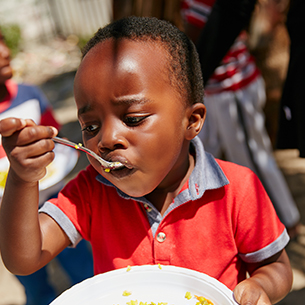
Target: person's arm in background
x,y
227,19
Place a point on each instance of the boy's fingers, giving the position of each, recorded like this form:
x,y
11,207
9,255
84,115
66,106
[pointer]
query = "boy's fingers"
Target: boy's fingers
x,y
29,134
33,150
35,133
10,125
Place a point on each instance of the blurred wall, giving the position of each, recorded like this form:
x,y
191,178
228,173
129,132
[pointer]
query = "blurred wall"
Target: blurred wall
x,y
80,17
41,20
162,9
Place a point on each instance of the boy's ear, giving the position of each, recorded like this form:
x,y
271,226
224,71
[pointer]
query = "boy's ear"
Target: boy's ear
x,y
196,117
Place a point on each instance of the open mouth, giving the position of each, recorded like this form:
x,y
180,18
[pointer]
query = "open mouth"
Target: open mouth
x,y
119,163
122,171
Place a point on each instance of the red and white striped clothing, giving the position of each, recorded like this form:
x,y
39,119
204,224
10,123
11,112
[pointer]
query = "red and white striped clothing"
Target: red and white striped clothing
x,y
238,68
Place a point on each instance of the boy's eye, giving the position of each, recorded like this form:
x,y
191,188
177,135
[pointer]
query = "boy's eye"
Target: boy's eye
x,y
134,120
90,128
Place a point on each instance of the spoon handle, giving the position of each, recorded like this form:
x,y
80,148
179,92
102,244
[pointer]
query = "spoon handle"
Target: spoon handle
x,y
105,164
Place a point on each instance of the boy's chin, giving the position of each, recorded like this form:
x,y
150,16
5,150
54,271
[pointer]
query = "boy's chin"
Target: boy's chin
x,y
131,189
130,181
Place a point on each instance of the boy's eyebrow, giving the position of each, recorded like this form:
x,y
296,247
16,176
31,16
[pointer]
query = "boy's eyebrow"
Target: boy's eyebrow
x,y
131,100
118,102
84,109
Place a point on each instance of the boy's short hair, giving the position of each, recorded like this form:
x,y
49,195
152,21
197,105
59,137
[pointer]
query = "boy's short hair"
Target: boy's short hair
x,y
184,67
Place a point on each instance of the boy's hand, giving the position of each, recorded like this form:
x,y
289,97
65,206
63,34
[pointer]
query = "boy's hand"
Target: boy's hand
x,y
270,281
251,293
28,147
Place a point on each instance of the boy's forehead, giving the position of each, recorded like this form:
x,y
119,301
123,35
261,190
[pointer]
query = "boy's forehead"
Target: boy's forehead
x,y
127,55
125,67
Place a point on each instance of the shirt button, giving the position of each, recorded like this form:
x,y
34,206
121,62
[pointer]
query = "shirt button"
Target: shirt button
x,y
161,237
147,207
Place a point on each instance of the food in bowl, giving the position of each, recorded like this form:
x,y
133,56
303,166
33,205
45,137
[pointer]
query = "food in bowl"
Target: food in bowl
x,y
200,300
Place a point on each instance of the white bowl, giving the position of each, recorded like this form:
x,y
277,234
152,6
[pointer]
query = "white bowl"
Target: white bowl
x,y
147,283
63,163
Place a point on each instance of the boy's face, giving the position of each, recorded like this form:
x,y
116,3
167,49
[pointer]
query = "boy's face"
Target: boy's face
x,y
5,68
130,113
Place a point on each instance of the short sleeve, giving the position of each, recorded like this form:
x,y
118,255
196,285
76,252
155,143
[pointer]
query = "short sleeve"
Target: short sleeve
x,y
259,234
71,209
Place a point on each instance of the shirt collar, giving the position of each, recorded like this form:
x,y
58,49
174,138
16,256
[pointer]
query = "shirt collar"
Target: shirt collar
x,y
207,175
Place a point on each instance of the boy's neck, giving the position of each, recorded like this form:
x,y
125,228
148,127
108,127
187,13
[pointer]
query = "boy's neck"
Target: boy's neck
x,y
162,198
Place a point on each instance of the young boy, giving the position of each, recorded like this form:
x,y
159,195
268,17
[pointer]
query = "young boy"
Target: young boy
x,y
138,92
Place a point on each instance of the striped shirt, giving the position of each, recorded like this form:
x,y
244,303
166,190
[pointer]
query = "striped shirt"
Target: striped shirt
x,y
238,68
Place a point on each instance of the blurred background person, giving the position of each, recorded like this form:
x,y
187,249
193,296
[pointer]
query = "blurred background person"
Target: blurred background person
x,y
28,101
291,126
235,96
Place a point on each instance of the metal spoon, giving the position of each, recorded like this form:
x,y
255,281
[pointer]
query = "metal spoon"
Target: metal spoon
x,y
105,164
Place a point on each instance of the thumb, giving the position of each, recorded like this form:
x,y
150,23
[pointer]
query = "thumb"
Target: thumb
x,y
244,295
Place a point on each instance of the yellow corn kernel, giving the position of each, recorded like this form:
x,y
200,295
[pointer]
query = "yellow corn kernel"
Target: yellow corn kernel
x,y
188,295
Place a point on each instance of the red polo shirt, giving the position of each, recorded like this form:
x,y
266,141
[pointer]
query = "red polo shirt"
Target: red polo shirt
x,y
220,220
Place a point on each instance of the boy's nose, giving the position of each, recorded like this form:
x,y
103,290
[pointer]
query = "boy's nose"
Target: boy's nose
x,y
112,137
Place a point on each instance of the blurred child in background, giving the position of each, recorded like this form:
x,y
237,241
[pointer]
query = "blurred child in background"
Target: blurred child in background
x,y
26,101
